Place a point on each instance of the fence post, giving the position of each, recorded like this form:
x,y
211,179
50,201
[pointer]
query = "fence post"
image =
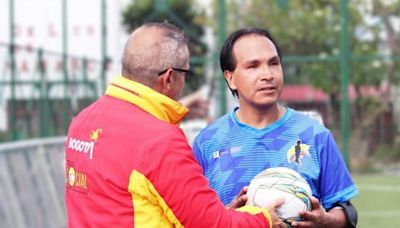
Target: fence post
x,y
104,59
344,80
221,38
64,21
11,50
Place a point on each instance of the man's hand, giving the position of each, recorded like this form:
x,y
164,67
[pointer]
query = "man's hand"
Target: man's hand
x,y
239,200
318,217
276,221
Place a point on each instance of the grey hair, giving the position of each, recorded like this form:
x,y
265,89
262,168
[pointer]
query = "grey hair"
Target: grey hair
x,y
144,62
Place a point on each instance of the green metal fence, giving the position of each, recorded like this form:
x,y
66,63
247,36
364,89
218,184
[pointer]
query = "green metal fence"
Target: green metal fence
x,y
42,100
55,96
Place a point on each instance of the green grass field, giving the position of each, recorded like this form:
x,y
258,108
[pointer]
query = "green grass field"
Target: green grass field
x,y
378,203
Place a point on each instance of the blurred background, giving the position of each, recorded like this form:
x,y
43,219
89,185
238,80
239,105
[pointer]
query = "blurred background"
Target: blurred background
x,y
341,65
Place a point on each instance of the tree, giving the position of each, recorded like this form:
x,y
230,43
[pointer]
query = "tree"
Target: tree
x,y
183,13
383,25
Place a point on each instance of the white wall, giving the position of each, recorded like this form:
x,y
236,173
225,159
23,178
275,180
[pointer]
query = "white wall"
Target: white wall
x,y
38,24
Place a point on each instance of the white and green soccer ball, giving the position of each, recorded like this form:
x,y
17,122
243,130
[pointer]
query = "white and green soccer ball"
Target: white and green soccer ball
x,y
273,183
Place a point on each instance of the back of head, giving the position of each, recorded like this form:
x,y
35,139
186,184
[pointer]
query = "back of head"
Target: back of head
x,y
153,48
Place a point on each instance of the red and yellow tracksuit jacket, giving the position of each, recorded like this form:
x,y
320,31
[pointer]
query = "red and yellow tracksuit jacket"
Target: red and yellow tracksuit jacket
x,y
129,165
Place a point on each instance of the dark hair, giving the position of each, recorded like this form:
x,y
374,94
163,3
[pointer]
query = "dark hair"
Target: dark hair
x,y
226,58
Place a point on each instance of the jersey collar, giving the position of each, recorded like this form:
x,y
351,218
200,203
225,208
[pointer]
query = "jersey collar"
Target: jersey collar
x,y
265,130
156,104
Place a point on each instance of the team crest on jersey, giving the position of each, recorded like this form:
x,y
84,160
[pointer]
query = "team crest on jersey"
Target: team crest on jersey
x,y
297,152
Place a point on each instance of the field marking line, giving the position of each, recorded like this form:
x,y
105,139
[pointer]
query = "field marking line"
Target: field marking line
x,y
384,188
380,213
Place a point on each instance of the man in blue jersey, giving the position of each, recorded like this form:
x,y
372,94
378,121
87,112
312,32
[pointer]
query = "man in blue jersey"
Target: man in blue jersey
x,y
261,133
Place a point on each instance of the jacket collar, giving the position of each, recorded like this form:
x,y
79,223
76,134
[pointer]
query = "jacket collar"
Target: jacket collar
x,y
156,104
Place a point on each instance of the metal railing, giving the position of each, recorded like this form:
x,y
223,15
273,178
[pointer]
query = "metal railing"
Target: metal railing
x,y
32,183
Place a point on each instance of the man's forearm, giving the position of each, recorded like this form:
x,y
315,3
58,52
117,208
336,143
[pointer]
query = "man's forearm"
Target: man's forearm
x,y
337,218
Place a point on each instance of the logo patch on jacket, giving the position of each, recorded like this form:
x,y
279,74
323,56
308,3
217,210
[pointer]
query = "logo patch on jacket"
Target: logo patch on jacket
x,y
76,179
297,152
83,146
95,134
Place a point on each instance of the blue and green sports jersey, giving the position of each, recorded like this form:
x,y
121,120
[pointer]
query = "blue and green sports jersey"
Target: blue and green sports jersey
x,y
232,153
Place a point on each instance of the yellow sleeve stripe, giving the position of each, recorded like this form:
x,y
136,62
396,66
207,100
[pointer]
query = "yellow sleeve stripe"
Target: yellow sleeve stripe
x,y
150,209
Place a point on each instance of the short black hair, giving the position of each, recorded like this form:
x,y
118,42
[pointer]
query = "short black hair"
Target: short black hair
x,y
226,58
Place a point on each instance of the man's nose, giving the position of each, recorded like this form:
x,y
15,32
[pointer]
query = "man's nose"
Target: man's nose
x,y
266,73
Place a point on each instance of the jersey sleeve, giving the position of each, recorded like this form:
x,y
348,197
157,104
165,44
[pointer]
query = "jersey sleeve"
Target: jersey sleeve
x,y
336,184
179,180
198,154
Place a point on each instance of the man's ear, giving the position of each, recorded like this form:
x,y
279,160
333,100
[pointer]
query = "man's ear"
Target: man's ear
x,y
164,82
228,75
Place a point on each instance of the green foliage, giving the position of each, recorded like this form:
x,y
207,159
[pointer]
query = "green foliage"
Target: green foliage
x,y
182,13
306,28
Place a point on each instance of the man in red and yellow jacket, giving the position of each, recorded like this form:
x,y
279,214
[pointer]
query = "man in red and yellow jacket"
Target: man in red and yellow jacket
x,y
128,164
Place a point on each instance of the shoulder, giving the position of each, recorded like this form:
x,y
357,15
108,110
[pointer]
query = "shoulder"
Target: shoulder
x,y
308,119
219,125
309,128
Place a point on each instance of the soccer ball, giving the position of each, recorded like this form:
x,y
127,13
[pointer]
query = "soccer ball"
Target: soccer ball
x,y
273,183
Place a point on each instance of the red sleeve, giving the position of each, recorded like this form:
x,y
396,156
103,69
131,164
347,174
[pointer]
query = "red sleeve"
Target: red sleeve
x,y
178,178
